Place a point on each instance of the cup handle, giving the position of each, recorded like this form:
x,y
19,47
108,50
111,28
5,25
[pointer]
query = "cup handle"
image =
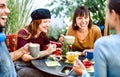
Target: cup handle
x,y
85,54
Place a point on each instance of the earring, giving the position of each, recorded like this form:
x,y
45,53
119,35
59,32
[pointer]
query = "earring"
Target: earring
x,y
75,25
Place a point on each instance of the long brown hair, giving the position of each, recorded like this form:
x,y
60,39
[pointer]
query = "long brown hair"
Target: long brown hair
x,y
81,11
32,29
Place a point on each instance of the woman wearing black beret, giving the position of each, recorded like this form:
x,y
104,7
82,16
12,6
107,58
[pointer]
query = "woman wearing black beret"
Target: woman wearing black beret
x,y
35,32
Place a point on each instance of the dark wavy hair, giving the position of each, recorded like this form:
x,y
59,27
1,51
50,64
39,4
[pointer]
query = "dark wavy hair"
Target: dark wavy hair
x,y
114,5
81,11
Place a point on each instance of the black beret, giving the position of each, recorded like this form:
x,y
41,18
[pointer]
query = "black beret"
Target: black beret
x,y
40,14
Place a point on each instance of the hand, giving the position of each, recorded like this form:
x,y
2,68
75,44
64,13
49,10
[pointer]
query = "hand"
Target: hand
x,y
78,67
83,53
51,48
26,48
28,57
61,38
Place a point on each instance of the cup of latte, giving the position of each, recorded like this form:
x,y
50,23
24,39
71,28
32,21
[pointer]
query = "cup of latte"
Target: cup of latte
x,y
34,49
69,40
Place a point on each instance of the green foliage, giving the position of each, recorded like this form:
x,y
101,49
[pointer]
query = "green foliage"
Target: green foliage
x,y
64,48
55,31
19,15
112,32
65,9
97,8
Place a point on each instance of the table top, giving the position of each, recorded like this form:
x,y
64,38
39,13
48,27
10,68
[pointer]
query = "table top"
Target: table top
x,y
54,70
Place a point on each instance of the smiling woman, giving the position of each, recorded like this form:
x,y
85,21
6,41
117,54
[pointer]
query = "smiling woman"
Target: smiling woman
x,y
107,47
83,30
35,32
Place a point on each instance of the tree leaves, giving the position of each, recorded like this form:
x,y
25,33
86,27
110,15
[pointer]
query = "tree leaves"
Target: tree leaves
x,y
65,9
20,12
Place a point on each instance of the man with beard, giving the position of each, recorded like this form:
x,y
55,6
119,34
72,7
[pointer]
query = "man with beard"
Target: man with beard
x,y
7,68
6,65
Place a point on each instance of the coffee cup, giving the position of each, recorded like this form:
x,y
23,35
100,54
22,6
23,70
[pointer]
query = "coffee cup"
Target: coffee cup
x,y
34,49
69,40
89,55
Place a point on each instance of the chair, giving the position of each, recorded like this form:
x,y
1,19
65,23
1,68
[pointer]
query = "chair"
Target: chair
x,y
11,42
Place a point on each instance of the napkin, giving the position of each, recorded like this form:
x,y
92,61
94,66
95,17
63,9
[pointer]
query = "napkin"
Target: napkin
x,y
90,69
52,63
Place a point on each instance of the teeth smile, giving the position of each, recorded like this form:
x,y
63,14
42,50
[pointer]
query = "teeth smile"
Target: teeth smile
x,y
4,17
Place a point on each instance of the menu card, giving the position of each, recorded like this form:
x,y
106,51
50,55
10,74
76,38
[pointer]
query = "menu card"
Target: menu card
x,y
52,63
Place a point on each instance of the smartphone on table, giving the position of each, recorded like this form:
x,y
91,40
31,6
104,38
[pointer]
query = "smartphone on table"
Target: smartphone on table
x,y
66,70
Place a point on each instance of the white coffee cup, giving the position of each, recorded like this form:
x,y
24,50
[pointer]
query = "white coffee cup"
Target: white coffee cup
x,y
34,49
69,40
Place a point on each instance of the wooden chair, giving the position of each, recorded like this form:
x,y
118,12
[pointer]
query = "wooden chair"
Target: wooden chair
x,y
11,41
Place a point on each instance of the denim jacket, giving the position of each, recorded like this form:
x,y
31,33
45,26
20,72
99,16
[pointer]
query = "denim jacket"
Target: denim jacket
x,y
6,64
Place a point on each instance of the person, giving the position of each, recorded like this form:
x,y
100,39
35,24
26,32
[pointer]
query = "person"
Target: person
x,y
106,49
7,68
83,30
35,32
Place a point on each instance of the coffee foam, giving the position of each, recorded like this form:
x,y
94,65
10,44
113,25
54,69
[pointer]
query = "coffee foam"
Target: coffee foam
x,y
34,45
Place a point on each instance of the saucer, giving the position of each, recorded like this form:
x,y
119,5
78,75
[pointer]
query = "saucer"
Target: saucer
x,y
69,62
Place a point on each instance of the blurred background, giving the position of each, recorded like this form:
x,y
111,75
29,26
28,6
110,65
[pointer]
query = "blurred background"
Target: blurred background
x,y
61,10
